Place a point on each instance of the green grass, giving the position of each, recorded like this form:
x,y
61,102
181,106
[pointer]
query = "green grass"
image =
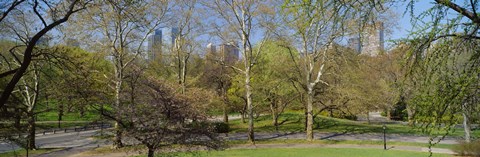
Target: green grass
x,y
304,152
294,122
43,126
23,152
73,116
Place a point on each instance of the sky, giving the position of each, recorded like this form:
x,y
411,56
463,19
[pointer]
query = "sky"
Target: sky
x,y
404,24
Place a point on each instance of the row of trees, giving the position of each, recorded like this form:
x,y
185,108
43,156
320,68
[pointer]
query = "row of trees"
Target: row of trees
x,y
290,59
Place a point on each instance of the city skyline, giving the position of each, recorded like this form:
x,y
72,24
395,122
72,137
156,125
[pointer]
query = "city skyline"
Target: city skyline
x,y
161,41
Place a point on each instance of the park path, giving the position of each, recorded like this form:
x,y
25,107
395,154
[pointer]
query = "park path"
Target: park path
x,y
298,135
78,146
339,136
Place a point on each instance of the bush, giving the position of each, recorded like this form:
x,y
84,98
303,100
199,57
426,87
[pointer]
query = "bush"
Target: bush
x,y
399,111
468,149
221,127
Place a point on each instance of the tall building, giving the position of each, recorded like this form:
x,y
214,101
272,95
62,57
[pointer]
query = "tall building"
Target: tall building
x,y
161,41
370,42
227,52
211,49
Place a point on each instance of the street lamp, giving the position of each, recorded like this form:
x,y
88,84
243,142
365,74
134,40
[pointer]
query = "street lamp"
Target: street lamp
x,y
384,137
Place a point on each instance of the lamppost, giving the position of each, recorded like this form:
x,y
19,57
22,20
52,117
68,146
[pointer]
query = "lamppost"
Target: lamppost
x,y
384,137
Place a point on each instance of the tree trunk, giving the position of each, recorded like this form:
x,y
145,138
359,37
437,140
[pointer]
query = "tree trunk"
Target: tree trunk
x,y
410,115
368,117
242,116
60,115
151,152
466,123
305,117
18,117
389,115
310,113
248,93
31,131
117,141
225,107
225,114
274,115
184,74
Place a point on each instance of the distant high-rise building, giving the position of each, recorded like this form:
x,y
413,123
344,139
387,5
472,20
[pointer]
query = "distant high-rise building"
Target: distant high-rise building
x,y
161,41
227,52
370,42
211,49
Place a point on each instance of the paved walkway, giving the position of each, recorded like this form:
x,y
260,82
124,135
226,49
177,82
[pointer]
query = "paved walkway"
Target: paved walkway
x,y
83,150
340,136
77,144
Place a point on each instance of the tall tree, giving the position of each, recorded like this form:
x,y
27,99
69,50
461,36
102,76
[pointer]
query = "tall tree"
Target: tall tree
x,y
238,20
443,60
189,27
48,15
273,80
317,25
121,29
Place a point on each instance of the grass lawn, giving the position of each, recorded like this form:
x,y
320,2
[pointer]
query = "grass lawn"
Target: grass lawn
x,y
23,152
294,122
73,116
304,152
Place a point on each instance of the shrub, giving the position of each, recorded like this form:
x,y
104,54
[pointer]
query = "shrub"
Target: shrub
x,y
221,127
468,149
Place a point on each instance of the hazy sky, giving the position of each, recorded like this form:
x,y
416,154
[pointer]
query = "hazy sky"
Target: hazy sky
x,y
404,23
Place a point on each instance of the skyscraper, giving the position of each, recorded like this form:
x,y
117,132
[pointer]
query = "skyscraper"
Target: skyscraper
x,y
227,52
161,42
370,42
211,49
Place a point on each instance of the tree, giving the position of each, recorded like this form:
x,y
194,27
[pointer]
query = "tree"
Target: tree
x,y
49,14
176,118
239,18
78,80
273,80
443,61
188,28
122,27
317,25
218,77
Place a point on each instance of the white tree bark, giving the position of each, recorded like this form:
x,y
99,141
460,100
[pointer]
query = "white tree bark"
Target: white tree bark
x,y
466,122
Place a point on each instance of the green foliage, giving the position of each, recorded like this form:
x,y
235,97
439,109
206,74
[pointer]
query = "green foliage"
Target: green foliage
x,y
398,111
443,64
221,127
